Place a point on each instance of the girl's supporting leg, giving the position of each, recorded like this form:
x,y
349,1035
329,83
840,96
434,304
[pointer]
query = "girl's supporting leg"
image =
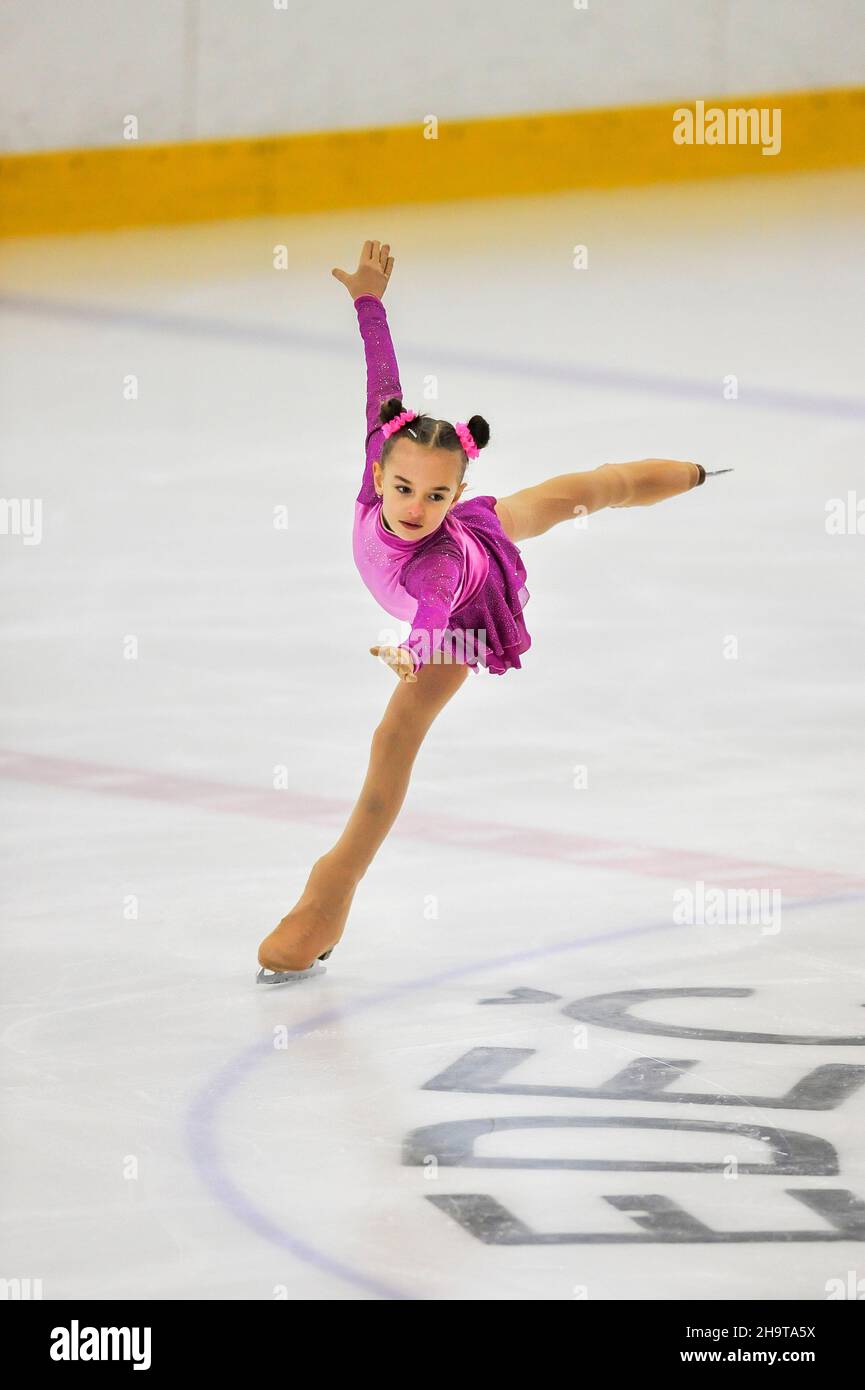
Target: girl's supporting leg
x,y
534,510
318,919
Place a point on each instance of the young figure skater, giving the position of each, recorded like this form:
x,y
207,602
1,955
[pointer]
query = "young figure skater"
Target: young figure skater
x,y
453,569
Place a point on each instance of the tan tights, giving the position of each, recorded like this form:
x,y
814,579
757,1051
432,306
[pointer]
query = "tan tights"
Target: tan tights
x,y
534,510
318,919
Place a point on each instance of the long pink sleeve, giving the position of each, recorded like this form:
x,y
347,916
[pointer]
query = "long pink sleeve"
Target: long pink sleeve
x,y
382,381
433,580
448,567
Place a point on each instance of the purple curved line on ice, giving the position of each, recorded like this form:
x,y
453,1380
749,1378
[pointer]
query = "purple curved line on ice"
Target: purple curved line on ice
x,y
203,1113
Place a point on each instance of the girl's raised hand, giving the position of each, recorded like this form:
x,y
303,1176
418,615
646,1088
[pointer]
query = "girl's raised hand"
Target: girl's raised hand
x,y
399,660
373,271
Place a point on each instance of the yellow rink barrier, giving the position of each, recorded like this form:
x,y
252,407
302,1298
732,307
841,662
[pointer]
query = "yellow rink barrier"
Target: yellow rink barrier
x,y
133,184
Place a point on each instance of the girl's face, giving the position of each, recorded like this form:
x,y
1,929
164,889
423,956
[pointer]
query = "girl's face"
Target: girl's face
x,y
418,487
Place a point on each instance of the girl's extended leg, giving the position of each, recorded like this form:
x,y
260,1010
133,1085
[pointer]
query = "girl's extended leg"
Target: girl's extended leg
x,y
534,510
318,919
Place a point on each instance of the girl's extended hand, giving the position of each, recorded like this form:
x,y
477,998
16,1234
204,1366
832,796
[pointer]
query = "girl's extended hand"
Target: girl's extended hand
x,y
399,660
373,271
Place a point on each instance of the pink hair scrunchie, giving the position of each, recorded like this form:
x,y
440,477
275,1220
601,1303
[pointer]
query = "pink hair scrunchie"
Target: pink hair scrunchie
x,y
397,422
466,439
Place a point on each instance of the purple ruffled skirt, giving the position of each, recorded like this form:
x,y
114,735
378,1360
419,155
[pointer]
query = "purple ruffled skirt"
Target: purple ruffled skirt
x,y
497,608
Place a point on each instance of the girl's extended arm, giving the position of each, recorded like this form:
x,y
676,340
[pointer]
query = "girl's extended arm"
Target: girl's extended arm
x,y
366,286
433,581
382,381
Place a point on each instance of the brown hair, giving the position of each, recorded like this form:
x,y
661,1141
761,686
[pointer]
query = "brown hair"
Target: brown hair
x,y
433,434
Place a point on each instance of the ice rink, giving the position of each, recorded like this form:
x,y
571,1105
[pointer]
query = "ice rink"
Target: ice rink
x,y
531,1071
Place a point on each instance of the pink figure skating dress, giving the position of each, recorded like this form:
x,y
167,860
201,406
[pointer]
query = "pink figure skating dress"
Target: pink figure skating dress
x,y
466,578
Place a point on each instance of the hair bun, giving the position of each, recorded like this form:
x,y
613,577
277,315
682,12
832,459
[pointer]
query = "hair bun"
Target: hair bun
x,y
480,430
390,409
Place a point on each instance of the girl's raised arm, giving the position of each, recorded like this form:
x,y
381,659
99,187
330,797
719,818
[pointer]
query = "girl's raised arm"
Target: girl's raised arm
x,y
382,381
366,287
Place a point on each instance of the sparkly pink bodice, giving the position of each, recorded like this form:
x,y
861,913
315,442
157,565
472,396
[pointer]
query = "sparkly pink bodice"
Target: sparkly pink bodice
x,y
423,581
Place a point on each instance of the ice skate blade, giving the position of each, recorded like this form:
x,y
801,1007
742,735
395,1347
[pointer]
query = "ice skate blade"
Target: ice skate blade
x,y
288,977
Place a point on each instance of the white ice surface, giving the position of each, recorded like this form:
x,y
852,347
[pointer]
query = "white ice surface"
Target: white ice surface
x,y
173,1130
